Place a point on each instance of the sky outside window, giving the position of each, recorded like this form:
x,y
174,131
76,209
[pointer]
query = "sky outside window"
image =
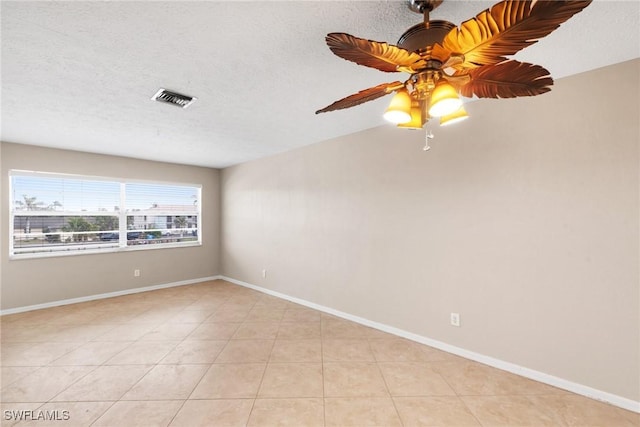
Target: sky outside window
x,y
70,194
88,195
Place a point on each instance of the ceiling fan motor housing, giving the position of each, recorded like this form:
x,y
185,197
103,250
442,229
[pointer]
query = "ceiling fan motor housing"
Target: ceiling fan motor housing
x,y
424,34
422,6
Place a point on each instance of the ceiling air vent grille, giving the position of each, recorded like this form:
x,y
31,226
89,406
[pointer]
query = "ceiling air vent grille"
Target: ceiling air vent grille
x,y
174,98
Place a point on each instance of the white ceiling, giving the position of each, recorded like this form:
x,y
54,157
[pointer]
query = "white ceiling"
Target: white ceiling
x,y
79,75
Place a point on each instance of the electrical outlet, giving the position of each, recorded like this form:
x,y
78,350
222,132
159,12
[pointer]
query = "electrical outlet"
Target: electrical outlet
x,y
455,319
136,273
264,274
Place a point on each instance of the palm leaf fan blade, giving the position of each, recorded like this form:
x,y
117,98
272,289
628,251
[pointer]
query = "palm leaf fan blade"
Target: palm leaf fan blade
x,y
509,79
378,55
508,27
363,96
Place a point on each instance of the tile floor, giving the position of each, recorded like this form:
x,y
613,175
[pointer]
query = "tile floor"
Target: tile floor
x,y
216,354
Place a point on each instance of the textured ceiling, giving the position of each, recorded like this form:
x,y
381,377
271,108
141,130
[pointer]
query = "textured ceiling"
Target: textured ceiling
x,y
79,75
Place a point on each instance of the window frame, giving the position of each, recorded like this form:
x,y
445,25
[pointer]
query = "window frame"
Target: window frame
x,y
122,214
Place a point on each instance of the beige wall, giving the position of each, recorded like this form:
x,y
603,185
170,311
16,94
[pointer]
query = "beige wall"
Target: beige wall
x,y
35,281
524,220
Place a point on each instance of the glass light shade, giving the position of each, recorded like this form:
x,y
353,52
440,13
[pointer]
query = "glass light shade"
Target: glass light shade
x,y
444,100
416,118
399,110
455,117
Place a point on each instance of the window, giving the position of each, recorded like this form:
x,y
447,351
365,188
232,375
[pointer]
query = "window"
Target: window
x,y
57,214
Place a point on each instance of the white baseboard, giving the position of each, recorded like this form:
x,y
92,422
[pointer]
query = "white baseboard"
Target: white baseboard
x,y
542,377
105,295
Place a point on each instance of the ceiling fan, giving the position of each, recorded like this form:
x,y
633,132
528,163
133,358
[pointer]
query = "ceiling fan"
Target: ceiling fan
x,y
445,61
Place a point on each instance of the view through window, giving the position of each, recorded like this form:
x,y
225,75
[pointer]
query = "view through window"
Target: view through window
x,y
55,214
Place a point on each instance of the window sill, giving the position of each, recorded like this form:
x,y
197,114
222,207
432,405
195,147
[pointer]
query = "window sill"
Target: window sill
x,y
135,248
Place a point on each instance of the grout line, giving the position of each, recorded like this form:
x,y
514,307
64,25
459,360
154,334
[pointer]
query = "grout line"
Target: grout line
x,y
324,395
204,372
177,412
73,383
388,391
105,411
473,414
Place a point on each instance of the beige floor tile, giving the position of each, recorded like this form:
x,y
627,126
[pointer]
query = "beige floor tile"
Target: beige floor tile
x,y
143,353
225,381
228,316
299,330
214,331
167,382
144,414
360,412
578,411
296,351
414,379
191,316
377,334
441,411
509,411
11,374
353,379
43,384
74,317
339,328
397,350
240,303
169,332
28,332
257,331
287,412
292,380
126,332
17,332
34,354
92,353
156,316
340,350
194,351
204,301
78,333
118,312
273,303
63,333
240,307
473,379
264,314
115,318
43,316
301,315
219,412
105,383
70,414
245,351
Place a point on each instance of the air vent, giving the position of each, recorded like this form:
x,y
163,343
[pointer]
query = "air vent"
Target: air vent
x,y
178,99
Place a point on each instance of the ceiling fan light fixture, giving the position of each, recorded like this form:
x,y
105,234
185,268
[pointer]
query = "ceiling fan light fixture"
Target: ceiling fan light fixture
x,y
399,110
416,121
457,116
444,100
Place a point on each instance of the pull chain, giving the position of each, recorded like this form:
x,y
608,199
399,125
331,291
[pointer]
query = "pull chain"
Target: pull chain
x,y
428,136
